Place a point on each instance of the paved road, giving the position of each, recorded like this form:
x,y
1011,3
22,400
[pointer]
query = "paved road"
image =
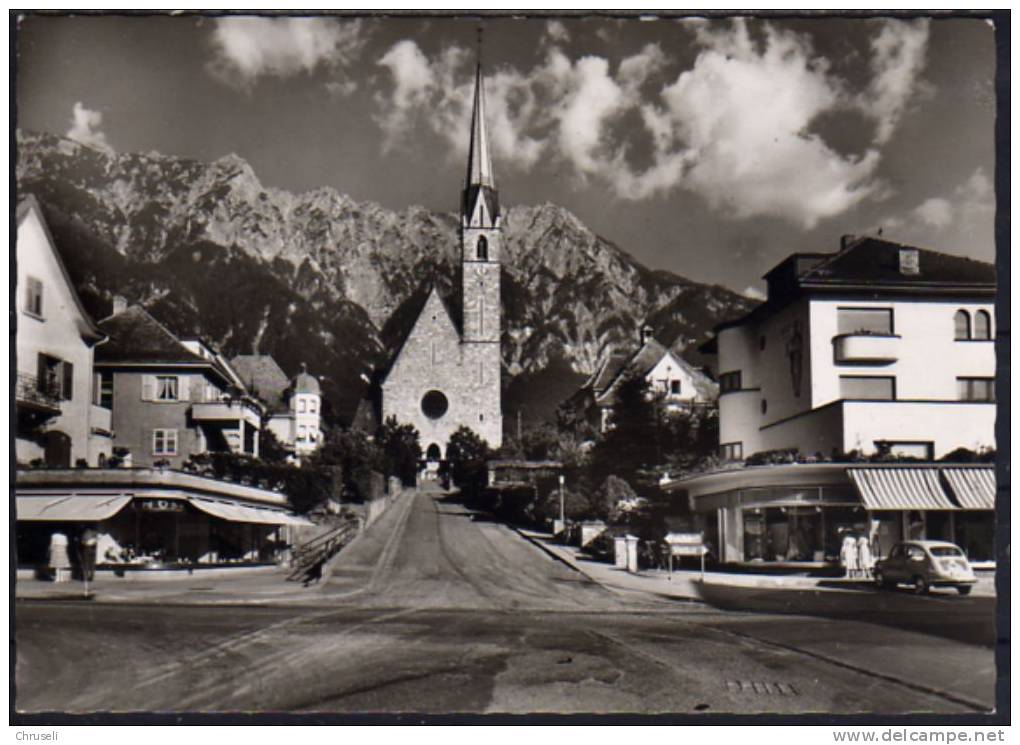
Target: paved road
x,y
436,610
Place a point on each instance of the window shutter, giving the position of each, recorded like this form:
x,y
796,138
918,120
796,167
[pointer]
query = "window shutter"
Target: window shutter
x,y
68,381
184,388
40,373
148,388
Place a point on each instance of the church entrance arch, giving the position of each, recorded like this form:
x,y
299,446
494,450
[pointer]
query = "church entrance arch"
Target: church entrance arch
x,y
433,452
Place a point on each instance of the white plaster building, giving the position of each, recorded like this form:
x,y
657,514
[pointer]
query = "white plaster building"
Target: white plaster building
x,y
876,347
59,420
680,385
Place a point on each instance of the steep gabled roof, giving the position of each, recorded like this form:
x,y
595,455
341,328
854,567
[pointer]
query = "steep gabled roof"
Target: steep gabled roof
x,y
137,337
86,326
641,362
264,378
433,290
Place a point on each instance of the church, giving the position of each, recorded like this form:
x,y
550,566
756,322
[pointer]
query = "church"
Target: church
x,y
445,377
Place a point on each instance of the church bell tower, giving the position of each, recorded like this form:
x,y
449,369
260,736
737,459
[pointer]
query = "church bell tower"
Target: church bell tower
x,y
481,233
481,245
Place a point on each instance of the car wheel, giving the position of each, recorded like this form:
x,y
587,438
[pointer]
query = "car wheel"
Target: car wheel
x,y
963,589
881,581
920,585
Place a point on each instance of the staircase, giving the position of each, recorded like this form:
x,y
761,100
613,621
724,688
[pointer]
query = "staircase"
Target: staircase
x,y
310,557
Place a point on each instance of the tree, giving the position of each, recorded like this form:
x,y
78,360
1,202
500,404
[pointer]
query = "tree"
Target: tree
x,y
271,450
634,441
608,495
401,449
355,453
467,454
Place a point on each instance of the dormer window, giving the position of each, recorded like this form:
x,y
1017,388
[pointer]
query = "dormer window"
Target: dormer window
x,y
482,253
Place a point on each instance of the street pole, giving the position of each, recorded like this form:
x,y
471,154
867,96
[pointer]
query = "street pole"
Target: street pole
x,y
563,517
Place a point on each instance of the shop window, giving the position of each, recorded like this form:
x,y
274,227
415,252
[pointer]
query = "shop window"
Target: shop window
x,y
982,325
961,325
164,442
867,387
975,389
731,451
34,297
729,382
875,321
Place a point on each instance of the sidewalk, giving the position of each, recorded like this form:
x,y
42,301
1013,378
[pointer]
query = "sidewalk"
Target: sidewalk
x,y
684,584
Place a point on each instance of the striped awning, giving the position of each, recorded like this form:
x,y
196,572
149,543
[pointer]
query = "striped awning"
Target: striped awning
x,y
973,488
69,508
904,488
242,513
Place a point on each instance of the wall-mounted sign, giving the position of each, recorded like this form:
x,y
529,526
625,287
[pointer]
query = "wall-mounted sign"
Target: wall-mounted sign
x,y
161,505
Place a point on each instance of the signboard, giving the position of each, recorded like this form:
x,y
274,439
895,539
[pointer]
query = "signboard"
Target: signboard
x,y
686,544
691,549
161,505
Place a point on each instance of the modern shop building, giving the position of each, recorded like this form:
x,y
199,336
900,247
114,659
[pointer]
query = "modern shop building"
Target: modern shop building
x,y
876,347
148,517
799,512
876,352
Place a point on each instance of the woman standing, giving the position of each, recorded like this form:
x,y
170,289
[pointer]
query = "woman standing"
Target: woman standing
x,y
865,560
59,561
848,556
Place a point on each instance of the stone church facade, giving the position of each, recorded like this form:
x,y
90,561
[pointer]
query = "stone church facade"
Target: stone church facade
x,y
445,377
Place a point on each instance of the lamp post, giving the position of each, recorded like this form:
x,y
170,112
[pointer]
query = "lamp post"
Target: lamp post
x,y
563,517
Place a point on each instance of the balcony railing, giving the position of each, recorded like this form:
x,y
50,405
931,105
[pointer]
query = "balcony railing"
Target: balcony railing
x,y
219,411
30,394
866,349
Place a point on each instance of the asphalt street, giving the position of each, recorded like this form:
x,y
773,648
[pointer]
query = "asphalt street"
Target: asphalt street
x,y
438,610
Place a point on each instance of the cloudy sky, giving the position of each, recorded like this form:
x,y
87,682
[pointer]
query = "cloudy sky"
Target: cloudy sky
x,y
710,148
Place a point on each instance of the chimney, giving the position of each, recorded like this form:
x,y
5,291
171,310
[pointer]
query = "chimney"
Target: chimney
x,y
646,333
120,304
910,261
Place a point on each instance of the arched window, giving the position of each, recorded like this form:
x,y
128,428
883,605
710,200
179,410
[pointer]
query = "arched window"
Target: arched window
x,y
962,323
483,249
982,325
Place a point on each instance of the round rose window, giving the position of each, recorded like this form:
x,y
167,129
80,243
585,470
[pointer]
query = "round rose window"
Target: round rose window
x,y
434,404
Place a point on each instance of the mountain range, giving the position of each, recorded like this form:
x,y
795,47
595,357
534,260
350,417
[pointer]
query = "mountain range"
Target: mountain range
x,y
322,278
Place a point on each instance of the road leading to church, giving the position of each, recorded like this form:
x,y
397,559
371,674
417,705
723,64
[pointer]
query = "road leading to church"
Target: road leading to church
x,y
436,610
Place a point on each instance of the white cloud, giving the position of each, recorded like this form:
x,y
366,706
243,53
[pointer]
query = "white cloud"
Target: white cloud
x,y
936,212
754,293
734,128
247,48
898,56
85,125
963,218
556,32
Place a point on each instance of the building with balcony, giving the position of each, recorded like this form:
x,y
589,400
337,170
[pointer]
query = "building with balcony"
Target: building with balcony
x,y
59,421
294,406
679,385
170,398
876,351
878,347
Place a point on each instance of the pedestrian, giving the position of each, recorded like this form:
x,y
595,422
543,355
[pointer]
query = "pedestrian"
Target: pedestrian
x,y
848,556
59,562
89,545
865,560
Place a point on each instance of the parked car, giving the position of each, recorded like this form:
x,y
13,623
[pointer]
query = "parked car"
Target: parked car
x,y
925,564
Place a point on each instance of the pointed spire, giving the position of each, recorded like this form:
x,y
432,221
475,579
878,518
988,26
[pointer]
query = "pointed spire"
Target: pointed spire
x,y
479,163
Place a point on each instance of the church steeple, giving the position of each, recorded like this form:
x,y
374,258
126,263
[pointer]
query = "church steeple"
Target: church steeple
x,y
479,163
480,208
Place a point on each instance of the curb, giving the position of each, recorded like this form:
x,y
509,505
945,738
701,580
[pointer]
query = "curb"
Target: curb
x,y
555,555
